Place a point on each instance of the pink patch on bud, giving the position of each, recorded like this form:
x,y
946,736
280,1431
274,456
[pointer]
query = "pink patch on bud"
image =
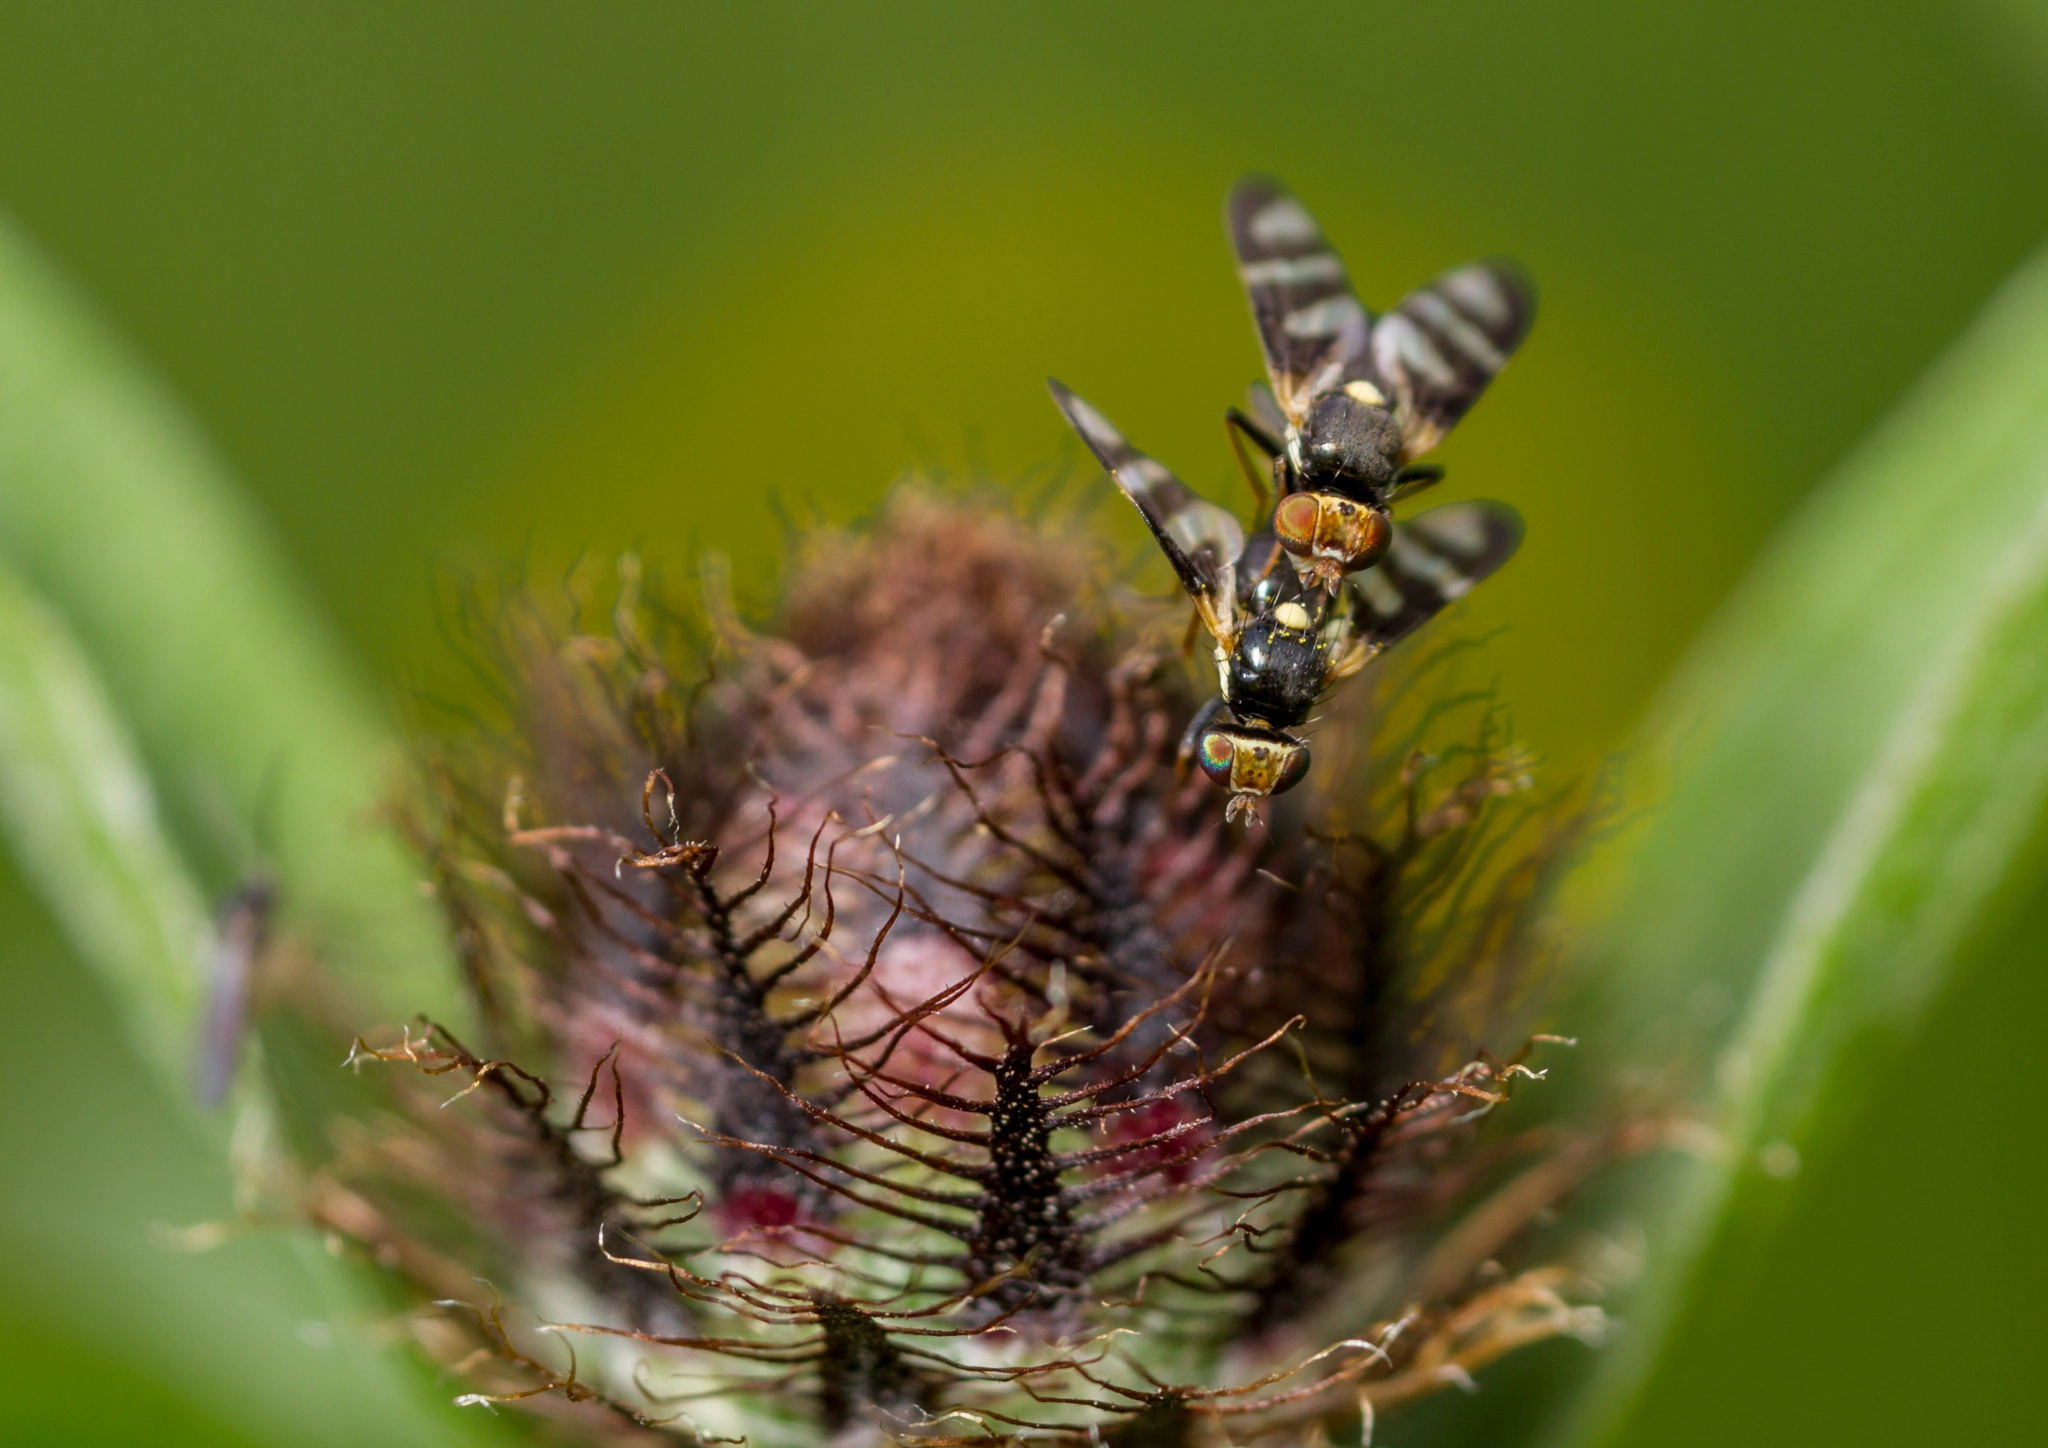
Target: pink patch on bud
x,y
911,971
1172,1160
756,1205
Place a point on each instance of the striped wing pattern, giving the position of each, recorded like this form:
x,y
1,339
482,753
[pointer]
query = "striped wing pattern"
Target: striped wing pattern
x,y
1434,354
1200,539
1435,559
1313,329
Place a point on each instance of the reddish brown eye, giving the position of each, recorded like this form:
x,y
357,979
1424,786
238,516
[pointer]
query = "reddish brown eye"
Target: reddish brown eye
x,y
1293,769
1373,532
1215,755
1294,522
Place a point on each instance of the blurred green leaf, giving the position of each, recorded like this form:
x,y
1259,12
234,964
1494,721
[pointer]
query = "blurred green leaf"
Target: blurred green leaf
x,y
79,812
114,510
170,717
2016,35
127,1407
267,1335
1858,755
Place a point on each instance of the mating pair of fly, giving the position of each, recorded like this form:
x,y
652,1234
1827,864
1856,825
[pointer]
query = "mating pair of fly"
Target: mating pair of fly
x,y
1329,579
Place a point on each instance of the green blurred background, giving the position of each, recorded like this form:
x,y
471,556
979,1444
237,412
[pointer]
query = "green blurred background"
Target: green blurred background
x,y
518,279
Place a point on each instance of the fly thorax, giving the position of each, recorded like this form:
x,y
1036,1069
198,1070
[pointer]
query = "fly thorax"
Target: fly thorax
x,y
1276,671
1349,446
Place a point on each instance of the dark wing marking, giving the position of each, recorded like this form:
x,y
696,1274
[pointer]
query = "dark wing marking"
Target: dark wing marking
x,y
1200,539
1435,559
1312,328
1413,478
1434,354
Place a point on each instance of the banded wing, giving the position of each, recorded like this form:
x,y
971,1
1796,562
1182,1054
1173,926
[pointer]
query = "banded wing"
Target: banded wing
x,y
1434,354
1435,559
1313,330
1201,540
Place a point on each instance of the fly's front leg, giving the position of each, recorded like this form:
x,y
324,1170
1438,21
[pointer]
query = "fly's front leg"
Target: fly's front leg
x,y
1191,740
1238,426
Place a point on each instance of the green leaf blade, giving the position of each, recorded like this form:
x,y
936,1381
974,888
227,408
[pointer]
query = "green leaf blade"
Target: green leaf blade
x,y
1859,763
161,683
78,807
115,511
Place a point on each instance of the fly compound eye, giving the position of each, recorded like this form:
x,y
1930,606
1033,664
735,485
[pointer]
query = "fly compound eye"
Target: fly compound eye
x,y
1293,768
1215,754
1366,539
1294,523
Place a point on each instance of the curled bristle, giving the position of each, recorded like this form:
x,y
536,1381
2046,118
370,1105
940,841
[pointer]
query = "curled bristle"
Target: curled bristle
x,y
883,1036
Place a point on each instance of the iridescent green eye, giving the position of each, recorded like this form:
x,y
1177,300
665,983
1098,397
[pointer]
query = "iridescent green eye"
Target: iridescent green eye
x,y
1216,752
1293,769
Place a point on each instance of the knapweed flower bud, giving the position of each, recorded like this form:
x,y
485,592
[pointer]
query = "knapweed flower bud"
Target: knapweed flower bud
x,y
886,1038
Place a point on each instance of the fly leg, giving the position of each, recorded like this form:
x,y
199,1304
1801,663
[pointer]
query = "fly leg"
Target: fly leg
x,y
1238,426
1192,739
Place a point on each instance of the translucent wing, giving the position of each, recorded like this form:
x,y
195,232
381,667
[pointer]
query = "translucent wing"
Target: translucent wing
x,y
1435,559
1434,354
1264,409
1313,329
1201,540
